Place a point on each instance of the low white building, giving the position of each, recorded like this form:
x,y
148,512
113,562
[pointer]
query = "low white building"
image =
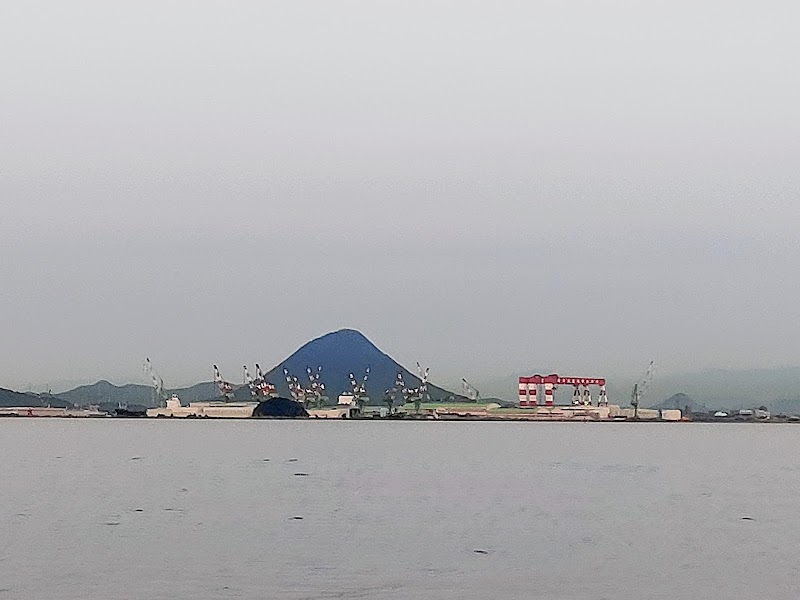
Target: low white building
x,y
671,415
211,409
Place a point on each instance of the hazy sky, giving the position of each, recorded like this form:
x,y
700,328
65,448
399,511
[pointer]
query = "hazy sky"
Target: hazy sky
x,y
490,188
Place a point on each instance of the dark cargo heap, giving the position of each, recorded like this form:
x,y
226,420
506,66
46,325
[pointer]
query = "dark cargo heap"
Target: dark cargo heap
x,y
280,408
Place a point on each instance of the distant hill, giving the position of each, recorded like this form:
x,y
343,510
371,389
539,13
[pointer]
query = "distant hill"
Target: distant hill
x,y
205,391
107,394
104,392
681,402
340,353
731,388
787,406
11,398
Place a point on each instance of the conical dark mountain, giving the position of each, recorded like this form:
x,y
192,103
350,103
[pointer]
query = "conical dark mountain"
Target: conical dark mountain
x,y
341,353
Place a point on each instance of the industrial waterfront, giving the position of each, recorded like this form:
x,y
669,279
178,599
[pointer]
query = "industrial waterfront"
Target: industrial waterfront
x,y
353,379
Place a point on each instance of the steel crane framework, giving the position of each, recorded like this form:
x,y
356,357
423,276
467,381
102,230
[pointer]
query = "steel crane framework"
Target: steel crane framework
x,y
582,396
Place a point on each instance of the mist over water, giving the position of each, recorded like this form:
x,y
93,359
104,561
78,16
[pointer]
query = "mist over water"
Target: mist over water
x,y
171,510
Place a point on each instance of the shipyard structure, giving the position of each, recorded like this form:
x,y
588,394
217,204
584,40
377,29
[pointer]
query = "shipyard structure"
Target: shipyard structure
x,y
530,388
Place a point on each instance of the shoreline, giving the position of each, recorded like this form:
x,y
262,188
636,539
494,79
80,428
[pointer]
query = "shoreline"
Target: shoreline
x,y
407,419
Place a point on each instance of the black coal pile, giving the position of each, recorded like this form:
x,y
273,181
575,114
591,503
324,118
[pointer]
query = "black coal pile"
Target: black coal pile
x,y
277,408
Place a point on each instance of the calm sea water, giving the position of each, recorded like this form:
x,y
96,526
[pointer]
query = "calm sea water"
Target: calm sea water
x,y
115,509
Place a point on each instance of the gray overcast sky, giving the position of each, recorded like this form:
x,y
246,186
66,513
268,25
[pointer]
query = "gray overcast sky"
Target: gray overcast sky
x,y
487,187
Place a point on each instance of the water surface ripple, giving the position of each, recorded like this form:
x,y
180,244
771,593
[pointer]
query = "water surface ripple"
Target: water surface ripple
x,y
158,510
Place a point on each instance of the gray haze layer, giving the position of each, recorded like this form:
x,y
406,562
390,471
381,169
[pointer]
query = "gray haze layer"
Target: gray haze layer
x,y
490,189
111,510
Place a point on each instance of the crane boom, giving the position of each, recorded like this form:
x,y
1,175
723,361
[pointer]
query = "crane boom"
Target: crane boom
x,y
157,383
640,388
470,391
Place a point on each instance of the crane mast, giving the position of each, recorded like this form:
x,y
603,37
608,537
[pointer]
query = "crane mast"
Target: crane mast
x,y
157,383
316,389
399,387
470,391
259,387
296,390
225,389
640,388
419,394
358,389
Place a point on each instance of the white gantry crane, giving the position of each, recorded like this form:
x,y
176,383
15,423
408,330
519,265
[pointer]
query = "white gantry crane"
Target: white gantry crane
x,y
399,387
259,387
316,389
420,394
224,388
296,389
358,389
264,389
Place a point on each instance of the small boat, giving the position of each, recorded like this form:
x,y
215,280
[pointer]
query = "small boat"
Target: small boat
x,y
128,412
